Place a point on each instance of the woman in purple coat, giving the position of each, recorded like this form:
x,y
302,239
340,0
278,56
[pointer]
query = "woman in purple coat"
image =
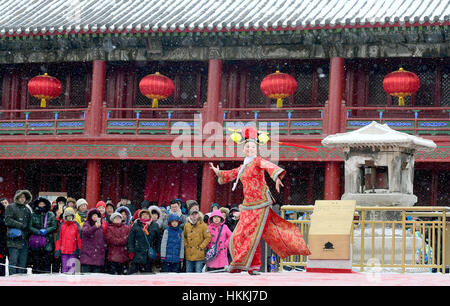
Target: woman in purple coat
x,y
215,223
93,244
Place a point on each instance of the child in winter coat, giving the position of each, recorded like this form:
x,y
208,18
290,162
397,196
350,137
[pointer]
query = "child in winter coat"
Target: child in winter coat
x,y
68,242
116,235
172,245
143,234
216,223
93,247
42,257
196,237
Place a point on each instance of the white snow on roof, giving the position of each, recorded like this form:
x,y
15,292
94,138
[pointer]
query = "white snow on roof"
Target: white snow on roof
x,y
376,134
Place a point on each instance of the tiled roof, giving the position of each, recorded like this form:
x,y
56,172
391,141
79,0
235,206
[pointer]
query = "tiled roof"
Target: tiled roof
x,y
51,17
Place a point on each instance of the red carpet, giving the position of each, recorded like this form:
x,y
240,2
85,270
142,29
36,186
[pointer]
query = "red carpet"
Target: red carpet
x,y
227,279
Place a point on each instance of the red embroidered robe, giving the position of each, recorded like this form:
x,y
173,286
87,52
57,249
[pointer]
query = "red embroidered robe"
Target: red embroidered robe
x,y
258,220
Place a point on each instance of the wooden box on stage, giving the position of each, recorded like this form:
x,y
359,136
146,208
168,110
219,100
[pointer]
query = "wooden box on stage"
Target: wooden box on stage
x,y
331,226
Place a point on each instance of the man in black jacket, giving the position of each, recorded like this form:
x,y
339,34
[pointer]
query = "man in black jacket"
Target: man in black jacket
x,y
17,220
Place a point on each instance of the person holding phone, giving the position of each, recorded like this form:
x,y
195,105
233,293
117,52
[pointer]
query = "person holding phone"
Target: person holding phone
x,y
93,244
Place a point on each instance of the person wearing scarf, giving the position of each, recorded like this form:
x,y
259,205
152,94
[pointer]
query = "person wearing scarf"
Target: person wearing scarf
x,y
143,228
257,219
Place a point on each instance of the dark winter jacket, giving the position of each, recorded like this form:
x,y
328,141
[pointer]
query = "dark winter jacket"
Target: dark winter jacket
x,y
116,236
38,220
231,221
93,246
3,231
172,245
18,216
137,244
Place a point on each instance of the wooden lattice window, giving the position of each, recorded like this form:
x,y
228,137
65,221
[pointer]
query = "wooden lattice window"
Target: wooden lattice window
x,y
255,75
445,86
304,76
75,81
323,86
190,82
377,73
425,94
312,83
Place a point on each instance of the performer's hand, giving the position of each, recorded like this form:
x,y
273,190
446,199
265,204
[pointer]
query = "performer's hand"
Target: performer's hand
x,y
278,183
215,169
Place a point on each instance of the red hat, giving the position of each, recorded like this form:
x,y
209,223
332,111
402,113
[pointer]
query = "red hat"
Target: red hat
x,y
100,203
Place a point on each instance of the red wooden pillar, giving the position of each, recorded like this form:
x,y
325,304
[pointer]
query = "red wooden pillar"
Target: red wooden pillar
x,y
93,182
332,173
94,128
211,113
95,120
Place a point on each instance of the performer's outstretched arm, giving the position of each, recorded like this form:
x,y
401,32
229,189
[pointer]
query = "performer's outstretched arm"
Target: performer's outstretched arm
x,y
225,176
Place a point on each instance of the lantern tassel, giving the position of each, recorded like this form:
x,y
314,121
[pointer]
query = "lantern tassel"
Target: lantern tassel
x,y
401,101
155,103
279,103
43,103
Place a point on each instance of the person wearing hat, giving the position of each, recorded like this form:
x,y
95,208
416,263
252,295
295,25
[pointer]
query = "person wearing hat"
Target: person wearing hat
x,y
68,242
214,206
191,203
257,219
233,217
156,214
71,202
116,236
196,238
143,234
93,246
126,214
101,206
17,220
172,245
43,223
82,210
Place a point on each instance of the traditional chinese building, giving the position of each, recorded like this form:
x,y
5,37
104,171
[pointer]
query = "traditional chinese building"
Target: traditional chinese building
x,y
101,138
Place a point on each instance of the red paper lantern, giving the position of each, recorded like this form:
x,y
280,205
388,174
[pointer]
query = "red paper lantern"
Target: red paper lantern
x,y
44,87
278,86
156,86
401,83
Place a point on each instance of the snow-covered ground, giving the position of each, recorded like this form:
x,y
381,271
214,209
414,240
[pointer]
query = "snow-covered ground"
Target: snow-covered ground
x,y
226,279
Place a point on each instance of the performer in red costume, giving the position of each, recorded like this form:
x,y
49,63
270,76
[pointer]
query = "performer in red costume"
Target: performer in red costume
x,y
257,219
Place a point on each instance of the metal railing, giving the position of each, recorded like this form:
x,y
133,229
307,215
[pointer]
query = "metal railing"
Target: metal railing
x,y
43,121
147,120
290,120
417,239
413,120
